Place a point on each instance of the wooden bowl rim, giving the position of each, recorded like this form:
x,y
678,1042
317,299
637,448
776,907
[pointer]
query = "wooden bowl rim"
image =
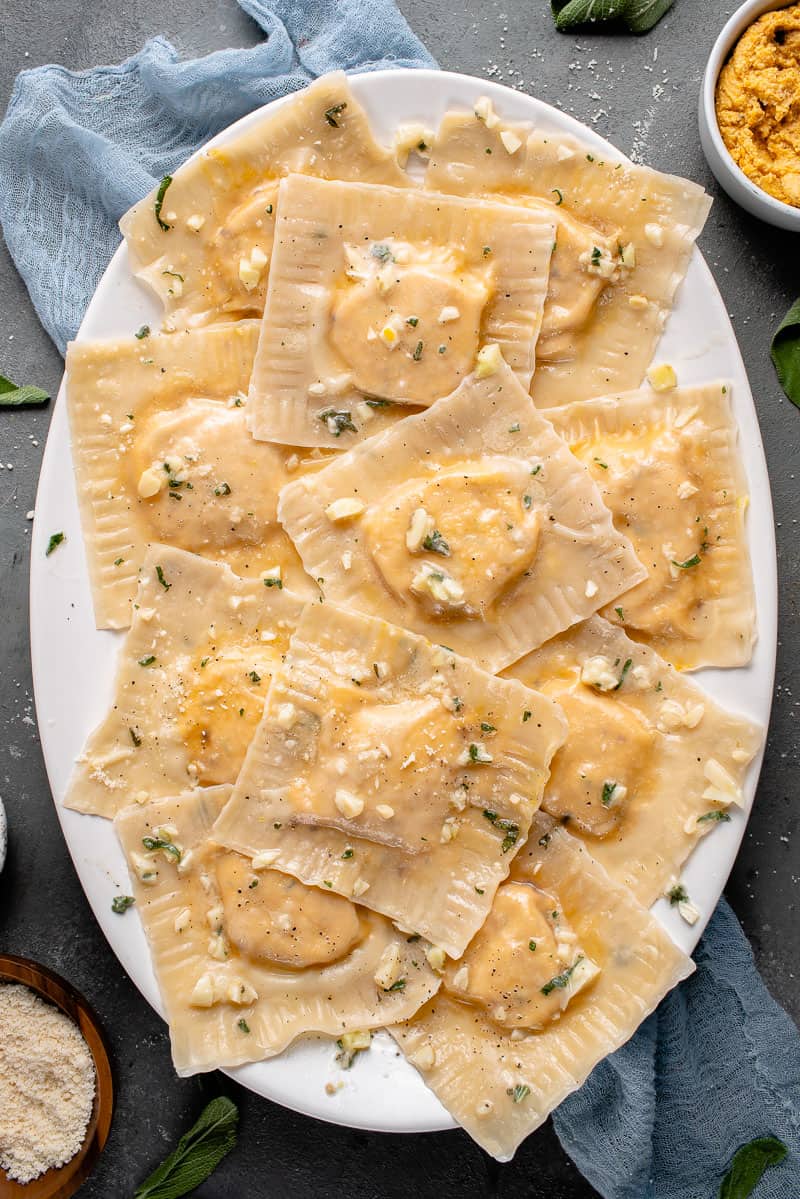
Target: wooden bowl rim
x,y
63,1181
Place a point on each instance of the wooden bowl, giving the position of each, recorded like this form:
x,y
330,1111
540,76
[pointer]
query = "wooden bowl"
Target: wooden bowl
x,y
64,1180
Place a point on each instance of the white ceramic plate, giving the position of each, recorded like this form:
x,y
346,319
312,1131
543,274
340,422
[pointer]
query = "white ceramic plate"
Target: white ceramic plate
x,y
74,664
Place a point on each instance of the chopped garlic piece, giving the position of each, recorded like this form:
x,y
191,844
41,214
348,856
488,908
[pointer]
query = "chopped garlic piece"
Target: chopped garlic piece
x,y
360,887
584,971
286,715
241,993
146,869
654,234
389,968
449,313
249,274
461,978
638,301
151,482
662,377
217,948
440,585
599,672
263,860
420,526
591,589
484,111
182,920
353,1042
436,958
385,811
688,910
348,804
673,715
203,993
686,489
344,509
414,137
724,789
489,361
477,752
627,255
425,1057
510,140
195,222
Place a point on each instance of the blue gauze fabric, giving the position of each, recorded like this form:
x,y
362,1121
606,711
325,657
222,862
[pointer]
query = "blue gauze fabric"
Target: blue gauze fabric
x,y
719,1062
77,149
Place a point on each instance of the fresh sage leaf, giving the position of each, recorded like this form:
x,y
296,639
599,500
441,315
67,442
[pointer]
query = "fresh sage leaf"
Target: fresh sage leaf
x,y
638,15
785,353
199,1152
748,1165
14,396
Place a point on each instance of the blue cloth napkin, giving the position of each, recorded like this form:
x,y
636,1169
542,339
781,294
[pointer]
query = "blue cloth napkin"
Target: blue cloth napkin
x,y
716,1065
77,149
719,1062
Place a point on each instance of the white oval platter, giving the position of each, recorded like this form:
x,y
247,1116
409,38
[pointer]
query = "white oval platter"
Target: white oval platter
x,y
74,663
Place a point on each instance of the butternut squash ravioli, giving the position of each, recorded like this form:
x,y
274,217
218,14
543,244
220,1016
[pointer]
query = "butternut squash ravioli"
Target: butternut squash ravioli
x,y
407,566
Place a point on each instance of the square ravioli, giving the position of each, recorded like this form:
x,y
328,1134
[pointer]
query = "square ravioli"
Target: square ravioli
x,y
192,675
651,763
563,972
162,454
671,473
470,523
624,240
380,297
393,772
248,959
203,239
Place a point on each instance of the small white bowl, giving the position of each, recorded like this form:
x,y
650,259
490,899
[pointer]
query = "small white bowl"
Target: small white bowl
x,y
728,174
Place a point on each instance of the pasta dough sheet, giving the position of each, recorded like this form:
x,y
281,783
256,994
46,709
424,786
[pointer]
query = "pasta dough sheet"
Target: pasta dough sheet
x,y
380,297
651,763
204,246
624,240
192,676
391,771
672,476
248,959
499,1083
471,524
162,454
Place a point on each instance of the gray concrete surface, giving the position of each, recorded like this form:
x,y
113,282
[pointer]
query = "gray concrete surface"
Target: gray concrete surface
x,y
645,102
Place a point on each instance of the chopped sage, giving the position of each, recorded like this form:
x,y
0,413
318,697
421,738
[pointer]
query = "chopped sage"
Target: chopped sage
x,y
162,191
561,980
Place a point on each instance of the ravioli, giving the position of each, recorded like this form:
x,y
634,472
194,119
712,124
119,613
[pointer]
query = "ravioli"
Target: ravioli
x,y
624,239
383,297
193,673
205,246
651,764
468,523
500,1075
247,959
671,474
162,454
389,770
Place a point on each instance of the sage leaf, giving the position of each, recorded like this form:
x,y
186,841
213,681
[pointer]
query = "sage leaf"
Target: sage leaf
x,y
748,1165
786,353
199,1152
14,396
638,15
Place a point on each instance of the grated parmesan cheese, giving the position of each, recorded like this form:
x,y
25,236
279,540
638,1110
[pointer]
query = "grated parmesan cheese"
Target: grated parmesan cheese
x,y
47,1085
